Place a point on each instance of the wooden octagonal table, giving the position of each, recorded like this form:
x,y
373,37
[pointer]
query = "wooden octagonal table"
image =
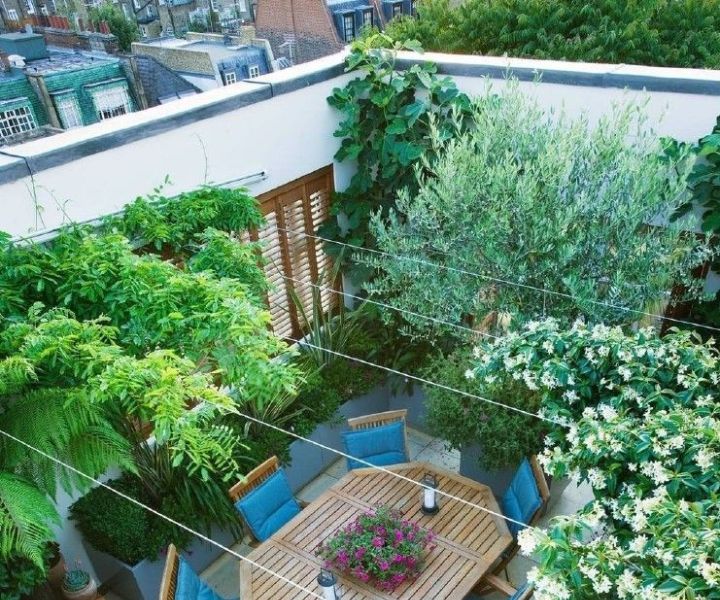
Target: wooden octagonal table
x,y
469,539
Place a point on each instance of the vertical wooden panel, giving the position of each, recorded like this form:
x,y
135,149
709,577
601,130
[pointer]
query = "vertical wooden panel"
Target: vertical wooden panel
x,y
291,212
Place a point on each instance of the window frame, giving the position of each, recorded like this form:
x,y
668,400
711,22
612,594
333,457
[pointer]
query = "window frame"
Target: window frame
x,y
365,23
15,120
348,18
71,118
229,77
253,71
104,114
13,14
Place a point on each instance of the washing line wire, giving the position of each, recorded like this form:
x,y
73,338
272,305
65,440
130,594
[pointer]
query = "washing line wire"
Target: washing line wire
x,y
389,306
159,514
527,413
502,281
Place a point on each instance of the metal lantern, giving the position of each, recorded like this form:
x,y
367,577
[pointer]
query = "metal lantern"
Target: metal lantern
x,y
327,582
429,494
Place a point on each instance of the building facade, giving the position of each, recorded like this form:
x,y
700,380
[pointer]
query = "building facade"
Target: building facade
x,y
42,91
210,60
303,30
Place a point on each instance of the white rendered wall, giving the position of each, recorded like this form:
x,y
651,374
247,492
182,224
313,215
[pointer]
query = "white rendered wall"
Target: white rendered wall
x,y
288,136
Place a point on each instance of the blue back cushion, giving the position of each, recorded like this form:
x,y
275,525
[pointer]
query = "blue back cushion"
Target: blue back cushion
x,y
522,498
190,587
380,446
269,506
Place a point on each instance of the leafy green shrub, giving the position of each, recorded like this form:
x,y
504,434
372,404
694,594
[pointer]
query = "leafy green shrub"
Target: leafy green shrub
x,y
125,30
19,576
159,221
226,256
505,437
387,119
545,201
677,33
124,530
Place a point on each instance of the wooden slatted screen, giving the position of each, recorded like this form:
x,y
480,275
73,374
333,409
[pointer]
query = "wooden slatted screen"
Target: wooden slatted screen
x,y
291,211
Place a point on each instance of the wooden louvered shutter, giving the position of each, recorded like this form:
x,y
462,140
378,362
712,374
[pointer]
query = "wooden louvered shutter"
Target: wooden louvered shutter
x,y
290,212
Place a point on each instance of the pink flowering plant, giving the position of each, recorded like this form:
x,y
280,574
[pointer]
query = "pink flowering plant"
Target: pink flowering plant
x,y
379,547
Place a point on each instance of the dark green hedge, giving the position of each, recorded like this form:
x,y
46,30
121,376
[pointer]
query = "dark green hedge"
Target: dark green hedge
x,y
678,33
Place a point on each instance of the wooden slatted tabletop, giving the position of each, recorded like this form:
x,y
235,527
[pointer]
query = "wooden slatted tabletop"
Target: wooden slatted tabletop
x,y
469,540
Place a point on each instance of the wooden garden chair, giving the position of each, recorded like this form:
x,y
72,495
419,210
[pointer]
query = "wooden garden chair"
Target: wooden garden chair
x,y
492,582
524,592
380,419
170,574
253,480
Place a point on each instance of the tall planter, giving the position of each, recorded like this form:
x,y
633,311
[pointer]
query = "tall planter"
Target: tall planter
x,y
142,581
496,479
307,460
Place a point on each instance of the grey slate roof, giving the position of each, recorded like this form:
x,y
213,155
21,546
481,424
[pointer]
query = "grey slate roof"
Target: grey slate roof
x,y
160,83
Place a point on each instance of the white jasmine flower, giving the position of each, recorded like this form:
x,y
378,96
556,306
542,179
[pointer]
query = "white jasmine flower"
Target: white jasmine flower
x,y
704,458
527,541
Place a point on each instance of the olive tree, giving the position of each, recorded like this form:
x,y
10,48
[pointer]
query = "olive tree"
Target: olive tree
x,y
541,200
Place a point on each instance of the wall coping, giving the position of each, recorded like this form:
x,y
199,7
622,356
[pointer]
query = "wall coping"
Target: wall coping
x,y
635,77
38,155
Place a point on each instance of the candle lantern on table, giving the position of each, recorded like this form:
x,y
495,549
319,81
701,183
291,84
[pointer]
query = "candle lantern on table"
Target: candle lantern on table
x,y
429,494
328,584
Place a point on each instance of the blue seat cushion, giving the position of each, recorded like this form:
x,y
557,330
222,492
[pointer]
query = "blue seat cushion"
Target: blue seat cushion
x,y
190,587
269,506
380,446
522,498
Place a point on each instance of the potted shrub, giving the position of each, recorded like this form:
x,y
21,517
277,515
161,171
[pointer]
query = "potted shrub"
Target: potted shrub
x,y
78,585
380,548
492,439
127,544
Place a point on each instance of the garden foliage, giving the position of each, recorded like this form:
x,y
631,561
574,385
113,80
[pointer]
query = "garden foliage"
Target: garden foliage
x,y
529,201
388,116
642,426
136,334
665,33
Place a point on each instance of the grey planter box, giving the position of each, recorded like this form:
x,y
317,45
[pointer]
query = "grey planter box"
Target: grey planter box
x,y
497,480
142,581
308,460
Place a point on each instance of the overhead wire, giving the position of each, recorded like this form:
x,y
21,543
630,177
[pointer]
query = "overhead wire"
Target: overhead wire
x,y
527,413
157,513
501,281
384,305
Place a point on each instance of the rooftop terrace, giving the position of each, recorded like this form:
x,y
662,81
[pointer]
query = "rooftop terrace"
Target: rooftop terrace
x,y
274,135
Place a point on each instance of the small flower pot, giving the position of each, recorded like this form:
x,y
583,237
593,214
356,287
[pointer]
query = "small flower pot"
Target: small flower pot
x,y
89,592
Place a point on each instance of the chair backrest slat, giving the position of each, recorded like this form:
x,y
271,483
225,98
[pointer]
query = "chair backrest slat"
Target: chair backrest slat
x,y
170,574
254,478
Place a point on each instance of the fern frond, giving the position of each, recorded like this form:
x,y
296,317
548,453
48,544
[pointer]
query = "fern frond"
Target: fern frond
x,y
63,424
26,517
